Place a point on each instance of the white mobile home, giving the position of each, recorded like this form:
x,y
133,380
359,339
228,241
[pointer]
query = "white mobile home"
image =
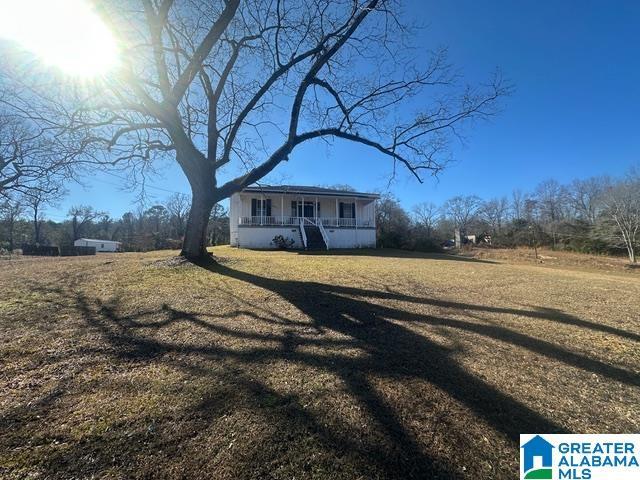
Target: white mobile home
x,y
101,245
311,217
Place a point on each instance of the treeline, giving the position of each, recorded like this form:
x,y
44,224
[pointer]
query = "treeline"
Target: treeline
x,y
160,226
596,215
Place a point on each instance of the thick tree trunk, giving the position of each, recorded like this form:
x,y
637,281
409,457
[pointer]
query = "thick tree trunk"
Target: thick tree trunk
x,y
194,245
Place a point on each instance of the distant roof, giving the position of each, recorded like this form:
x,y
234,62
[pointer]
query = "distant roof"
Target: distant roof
x,y
306,190
96,240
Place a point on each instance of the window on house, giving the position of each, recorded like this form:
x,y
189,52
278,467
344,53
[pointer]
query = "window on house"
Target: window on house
x,y
260,207
347,210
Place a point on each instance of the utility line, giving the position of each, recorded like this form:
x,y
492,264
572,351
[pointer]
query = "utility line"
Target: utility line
x,y
146,185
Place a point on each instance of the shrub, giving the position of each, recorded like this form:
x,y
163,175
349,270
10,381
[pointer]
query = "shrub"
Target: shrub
x,y
427,245
282,243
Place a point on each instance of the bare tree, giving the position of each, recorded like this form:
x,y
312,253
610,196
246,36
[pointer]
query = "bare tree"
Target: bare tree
x,y
11,209
586,197
494,212
552,200
531,210
518,200
81,215
244,82
27,161
462,210
426,215
622,212
36,199
178,206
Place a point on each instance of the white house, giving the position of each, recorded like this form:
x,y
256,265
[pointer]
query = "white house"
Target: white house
x,y
101,245
313,217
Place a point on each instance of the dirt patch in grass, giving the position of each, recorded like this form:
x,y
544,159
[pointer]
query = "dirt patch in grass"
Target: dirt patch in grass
x,y
368,364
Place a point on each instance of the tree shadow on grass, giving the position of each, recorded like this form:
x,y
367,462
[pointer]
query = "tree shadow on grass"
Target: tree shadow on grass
x,y
346,310
405,460
391,351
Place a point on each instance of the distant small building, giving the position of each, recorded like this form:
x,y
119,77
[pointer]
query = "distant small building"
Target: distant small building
x,y
100,245
460,239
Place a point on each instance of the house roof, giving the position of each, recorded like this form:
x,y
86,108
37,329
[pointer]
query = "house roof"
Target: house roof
x,y
96,240
308,190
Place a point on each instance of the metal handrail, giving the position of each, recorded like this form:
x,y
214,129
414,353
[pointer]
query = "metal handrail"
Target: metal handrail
x,y
303,233
325,237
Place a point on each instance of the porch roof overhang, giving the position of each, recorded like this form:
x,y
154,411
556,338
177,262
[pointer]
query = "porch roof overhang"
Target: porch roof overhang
x,y
311,191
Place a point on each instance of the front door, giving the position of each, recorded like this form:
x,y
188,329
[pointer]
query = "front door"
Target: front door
x,y
308,210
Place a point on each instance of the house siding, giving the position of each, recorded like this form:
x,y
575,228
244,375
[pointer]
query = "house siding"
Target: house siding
x,y
351,237
260,236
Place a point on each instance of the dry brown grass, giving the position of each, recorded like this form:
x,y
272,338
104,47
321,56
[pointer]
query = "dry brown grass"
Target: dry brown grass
x,y
555,259
281,365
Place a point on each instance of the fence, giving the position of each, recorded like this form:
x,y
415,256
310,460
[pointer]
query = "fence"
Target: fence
x,y
54,251
40,250
72,250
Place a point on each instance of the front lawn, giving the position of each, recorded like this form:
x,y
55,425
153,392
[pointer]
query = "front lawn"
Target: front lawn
x,y
282,365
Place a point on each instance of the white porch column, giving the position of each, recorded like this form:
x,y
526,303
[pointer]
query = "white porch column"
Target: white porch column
x,y
302,209
355,219
355,211
282,209
374,214
337,213
316,210
262,210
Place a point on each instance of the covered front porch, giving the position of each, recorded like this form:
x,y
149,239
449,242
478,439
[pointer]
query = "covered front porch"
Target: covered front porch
x,y
293,210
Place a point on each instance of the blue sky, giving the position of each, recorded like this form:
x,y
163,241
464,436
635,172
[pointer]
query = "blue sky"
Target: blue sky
x,y
574,113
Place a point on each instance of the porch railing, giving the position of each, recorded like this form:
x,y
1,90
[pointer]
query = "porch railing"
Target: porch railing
x,y
325,237
303,233
295,221
270,221
345,222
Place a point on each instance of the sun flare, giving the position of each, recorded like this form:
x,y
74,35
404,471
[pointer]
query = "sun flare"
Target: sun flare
x,y
66,34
